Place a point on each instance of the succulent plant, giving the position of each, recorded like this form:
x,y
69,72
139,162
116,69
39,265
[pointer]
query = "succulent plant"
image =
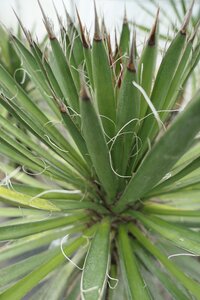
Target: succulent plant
x,y
100,194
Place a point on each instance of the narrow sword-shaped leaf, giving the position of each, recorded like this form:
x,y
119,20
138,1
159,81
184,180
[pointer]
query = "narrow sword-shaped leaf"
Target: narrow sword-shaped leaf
x,y
23,286
128,109
70,47
147,65
166,210
18,93
102,78
184,238
46,69
75,133
95,270
124,37
45,134
96,144
163,277
161,87
130,270
185,280
178,78
86,51
35,72
13,212
17,153
21,230
35,241
64,76
195,164
75,38
177,83
78,205
25,139
21,199
164,154
21,268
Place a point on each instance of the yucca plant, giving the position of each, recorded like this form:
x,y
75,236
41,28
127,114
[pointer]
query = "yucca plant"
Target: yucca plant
x,y
104,200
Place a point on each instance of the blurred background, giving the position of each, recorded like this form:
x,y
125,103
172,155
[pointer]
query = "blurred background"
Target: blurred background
x,y
140,11
30,12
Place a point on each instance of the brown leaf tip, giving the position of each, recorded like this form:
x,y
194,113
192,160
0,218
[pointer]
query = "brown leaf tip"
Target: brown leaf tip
x,y
152,36
131,63
104,29
47,23
70,22
97,32
83,37
60,22
26,32
186,21
62,107
125,19
84,93
116,42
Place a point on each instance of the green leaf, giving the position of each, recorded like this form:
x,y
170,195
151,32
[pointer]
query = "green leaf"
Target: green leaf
x,y
75,134
46,69
102,77
164,154
128,108
21,230
96,144
147,65
162,276
37,77
162,209
161,86
130,269
33,242
21,268
183,238
124,37
64,76
185,280
77,205
94,276
195,164
16,212
21,199
23,286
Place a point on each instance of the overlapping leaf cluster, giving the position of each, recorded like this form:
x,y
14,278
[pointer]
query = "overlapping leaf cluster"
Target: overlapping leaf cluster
x,y
100,194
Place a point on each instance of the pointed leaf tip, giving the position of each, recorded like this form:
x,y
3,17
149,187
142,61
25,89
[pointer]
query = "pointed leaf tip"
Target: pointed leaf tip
x,y
125,19
46,23
104,29
84,93
152,36
187,19
26,33
58,17
83,37
97,32
131,63
69,19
